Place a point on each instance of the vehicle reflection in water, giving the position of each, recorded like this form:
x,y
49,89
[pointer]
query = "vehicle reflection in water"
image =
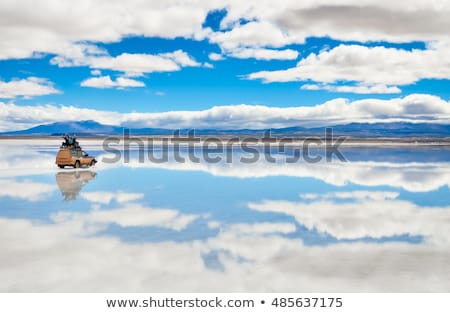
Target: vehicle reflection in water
x,y
70,183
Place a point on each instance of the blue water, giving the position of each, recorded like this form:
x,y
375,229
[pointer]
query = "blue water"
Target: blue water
x,y
378,222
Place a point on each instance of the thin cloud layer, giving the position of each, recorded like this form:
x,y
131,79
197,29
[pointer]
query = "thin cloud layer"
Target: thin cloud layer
x,y
107,82
132,64
369,66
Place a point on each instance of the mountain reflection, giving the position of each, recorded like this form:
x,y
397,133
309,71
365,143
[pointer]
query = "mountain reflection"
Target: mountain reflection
x,y
71,183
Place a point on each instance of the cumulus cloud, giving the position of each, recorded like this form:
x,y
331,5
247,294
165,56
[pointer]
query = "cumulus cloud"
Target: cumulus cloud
x,y
264,54
180,57
254,29
373,67
250,41
28,87
132,64
96,72
208,65
365,21
19,117
369,20
26,31
215,56
106,82
253,34
413,108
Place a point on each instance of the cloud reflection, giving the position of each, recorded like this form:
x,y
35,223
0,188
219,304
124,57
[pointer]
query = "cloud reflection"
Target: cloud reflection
x,y
415,175
364,214
25,189
132,215
52,257
265,250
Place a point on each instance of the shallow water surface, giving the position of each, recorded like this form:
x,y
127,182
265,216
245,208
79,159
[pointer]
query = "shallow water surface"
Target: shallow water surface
x,y
379,222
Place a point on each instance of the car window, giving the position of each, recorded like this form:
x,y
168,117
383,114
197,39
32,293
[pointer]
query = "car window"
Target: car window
x,y
76,153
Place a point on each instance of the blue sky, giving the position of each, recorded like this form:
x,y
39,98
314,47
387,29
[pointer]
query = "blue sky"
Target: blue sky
x,y
194,56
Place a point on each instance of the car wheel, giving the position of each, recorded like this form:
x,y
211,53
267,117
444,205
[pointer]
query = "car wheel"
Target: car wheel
x,y
92,163
77,164
61,166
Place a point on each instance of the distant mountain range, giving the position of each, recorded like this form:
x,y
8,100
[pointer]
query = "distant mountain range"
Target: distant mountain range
x,y
363,130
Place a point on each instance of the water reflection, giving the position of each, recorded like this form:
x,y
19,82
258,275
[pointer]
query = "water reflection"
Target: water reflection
x,y
366,225
70,183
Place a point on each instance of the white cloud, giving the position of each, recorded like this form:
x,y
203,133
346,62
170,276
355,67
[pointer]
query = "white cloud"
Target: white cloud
x,y
96,72
20,117
264,54
413,108
78,54
368,20
369,66
28,87
262,228
253,34
25,30
208,65
106,82
180,57
27,33
132,64
248,41
291,22
361,89
215,56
